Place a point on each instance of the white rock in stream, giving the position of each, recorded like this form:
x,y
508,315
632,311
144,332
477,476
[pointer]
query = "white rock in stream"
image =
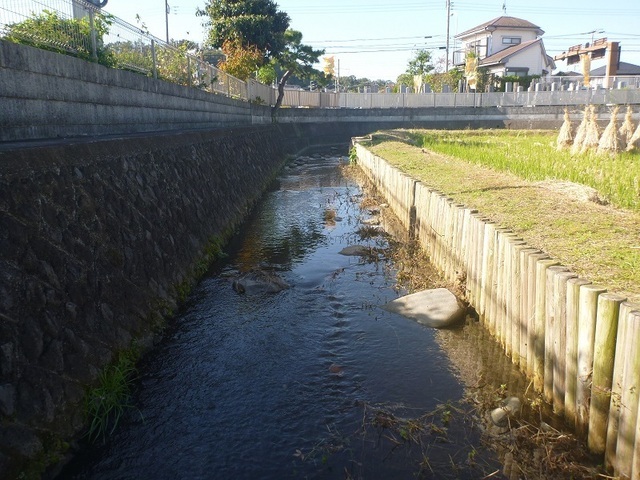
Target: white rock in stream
x,y
437,308
500,416
355,250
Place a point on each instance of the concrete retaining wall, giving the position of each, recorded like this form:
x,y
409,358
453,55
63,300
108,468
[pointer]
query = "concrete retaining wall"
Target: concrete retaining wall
x,y
578,343
97,241
48,95
45,95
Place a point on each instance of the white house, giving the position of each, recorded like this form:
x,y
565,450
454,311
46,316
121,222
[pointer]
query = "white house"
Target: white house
x,y
506,46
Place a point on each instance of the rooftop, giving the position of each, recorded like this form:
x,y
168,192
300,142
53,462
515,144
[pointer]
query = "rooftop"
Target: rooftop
x,y
502,22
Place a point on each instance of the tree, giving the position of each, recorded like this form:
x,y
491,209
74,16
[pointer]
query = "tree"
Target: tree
x,y
421,63
240,60
296,59
419,66
255,23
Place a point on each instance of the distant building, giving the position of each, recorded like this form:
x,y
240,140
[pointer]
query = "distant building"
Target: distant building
x,y
624,68
506,46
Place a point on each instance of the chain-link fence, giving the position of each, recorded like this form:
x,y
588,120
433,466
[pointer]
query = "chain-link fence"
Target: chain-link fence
x,y
79,28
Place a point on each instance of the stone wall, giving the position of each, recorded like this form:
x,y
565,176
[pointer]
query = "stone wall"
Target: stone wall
x,y
96,241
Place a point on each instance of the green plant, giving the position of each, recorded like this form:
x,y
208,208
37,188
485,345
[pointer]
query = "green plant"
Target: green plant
x,y
106,403
48,31
353,156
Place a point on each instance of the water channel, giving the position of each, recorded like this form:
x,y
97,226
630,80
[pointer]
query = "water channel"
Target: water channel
x,y
316,381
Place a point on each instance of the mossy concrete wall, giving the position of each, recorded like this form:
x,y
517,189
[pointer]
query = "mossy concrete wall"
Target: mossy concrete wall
x,y
97,241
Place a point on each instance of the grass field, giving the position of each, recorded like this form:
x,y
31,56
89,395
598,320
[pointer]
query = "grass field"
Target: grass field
x,y
518,179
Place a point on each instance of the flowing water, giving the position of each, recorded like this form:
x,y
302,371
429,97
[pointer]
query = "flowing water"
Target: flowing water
x,y
316,381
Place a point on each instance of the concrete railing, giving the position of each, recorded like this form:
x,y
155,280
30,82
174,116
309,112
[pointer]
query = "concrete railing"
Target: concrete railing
x,y
578,343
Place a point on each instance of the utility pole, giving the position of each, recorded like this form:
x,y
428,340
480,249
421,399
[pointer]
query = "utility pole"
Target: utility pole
x,y
166,17
446,63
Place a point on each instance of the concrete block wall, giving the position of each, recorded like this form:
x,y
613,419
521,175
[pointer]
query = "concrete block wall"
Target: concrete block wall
x,y
48,95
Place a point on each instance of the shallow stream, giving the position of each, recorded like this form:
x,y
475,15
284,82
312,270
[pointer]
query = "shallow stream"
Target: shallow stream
x,y
316,381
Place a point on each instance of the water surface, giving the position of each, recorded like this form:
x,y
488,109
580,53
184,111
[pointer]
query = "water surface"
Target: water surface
x,y
316,381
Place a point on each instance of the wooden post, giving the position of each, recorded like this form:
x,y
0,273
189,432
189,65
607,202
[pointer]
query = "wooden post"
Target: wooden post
x,y
559,340
571,368
515,314
511,284
550,327
475,245
532,292
586,333
486,277
604,351
524,305
497,287
477,258
540,323
625,394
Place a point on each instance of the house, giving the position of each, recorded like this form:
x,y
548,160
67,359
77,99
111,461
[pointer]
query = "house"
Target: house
x,y
623,68
506,46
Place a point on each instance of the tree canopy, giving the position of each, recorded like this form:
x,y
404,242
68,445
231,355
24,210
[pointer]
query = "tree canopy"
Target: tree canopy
x,y
421,63
255,23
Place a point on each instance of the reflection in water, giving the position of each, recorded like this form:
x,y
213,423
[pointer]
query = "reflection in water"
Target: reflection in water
x,y
316,381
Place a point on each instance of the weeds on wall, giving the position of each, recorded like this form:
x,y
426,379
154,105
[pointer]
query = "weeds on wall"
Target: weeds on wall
x,y
107,403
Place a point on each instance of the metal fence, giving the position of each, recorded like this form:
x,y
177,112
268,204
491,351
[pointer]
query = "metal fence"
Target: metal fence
x,y
79,28
453,100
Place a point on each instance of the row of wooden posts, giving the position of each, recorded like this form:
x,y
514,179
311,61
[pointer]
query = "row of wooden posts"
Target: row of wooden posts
x,y
578,343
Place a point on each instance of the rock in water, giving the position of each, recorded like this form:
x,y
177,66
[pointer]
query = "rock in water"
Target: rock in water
x,y
511,407
355,250
259,281
437,308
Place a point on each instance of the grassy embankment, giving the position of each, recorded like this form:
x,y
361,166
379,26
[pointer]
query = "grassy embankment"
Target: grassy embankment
x,y
518,179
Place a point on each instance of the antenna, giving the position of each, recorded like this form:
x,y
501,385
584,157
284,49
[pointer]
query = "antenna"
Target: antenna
x,y
504,6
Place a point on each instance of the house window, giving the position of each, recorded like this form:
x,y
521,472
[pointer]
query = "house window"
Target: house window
x,y
511,40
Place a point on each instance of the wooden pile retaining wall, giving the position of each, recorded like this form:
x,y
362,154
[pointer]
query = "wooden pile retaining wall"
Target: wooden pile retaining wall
x,y
578,343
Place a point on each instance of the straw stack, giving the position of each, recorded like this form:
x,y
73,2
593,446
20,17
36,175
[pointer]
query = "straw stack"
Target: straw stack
x,y
634,141
627,128
565,136
611,142
592,134
581,132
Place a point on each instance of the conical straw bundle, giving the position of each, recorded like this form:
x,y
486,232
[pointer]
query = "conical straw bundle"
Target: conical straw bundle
x,y
565,135
634,142
610,142
581,132
627,128
592,134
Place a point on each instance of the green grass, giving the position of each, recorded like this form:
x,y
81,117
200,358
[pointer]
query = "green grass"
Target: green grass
x,y
106,403
532,155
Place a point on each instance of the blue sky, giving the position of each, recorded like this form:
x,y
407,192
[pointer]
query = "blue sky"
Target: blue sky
x,y
376,38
